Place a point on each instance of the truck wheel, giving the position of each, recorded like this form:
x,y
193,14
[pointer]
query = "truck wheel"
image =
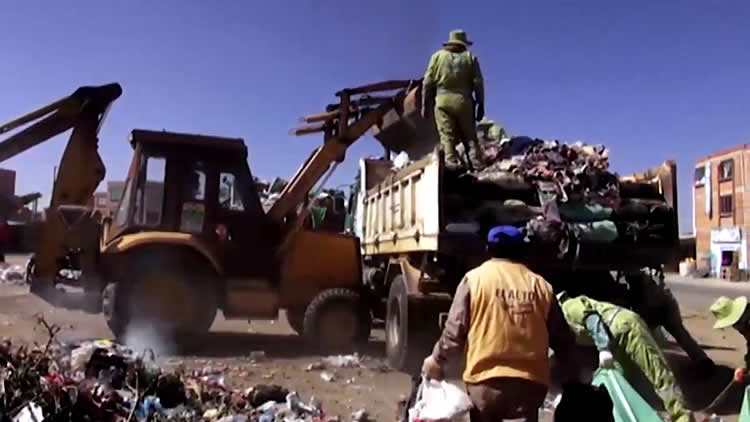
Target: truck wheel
x,y
168,298
337,320
411,329
296,320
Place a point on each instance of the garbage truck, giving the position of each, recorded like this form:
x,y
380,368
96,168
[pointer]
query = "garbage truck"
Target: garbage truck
x,y
422,227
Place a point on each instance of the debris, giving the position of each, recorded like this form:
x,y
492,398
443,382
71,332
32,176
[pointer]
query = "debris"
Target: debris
x,y
360,416
343,361
29,413
316,366
104,381
14,274
211,414
327,376
257,355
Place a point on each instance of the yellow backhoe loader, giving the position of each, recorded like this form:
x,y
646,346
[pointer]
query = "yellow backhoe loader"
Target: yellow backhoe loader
x,y
190,235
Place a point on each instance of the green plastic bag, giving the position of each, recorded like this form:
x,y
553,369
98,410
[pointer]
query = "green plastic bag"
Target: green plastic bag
x,y
628,405
745,411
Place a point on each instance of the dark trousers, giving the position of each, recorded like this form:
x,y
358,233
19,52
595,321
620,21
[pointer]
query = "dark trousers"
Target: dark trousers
x,y
506,398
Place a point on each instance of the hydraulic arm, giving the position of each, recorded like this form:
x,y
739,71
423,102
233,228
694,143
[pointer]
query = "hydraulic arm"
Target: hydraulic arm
x,y
80,170
342,124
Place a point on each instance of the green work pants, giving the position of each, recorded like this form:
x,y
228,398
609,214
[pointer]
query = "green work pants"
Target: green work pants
x,y
454,118
636,346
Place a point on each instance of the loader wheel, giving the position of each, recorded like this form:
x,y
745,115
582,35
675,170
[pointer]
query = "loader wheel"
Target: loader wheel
x,y
169,299
411,328
337,320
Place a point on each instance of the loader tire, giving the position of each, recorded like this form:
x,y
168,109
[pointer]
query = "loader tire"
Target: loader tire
x,y
411,328
176,301
337,321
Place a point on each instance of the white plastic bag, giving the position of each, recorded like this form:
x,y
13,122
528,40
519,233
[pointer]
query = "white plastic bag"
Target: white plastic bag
x,y
439,401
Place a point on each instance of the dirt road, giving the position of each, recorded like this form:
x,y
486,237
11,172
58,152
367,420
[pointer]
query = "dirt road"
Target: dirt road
x,y
231,345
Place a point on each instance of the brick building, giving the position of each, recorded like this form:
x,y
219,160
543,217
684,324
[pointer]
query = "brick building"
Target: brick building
x,y
721,210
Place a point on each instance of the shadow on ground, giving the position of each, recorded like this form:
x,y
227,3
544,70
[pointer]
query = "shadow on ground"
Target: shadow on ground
x,y
233,344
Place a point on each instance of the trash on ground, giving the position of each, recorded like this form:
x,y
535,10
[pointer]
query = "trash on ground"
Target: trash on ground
x,y
104,381
327,376
439,401
343,361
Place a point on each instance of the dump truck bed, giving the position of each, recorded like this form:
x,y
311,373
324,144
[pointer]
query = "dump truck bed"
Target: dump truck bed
x,y
422,208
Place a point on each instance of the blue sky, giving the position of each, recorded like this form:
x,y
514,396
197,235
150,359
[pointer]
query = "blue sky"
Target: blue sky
x,y
652,80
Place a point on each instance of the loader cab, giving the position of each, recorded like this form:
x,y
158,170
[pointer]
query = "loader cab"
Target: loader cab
x,y
200,186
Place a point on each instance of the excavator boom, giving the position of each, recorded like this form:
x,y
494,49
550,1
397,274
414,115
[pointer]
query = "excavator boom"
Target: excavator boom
x,y
80,169
342,124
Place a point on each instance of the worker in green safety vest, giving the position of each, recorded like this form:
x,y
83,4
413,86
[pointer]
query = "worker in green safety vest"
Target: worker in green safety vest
x,y
736,314
452,76
623,338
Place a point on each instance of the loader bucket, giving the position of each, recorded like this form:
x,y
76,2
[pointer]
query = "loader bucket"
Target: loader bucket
x,y
404,129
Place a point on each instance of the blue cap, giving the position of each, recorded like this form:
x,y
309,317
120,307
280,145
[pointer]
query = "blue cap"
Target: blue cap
x,y
504,234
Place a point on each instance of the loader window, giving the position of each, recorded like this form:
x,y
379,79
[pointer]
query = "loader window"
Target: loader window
x,y
122,211
149,198
230,197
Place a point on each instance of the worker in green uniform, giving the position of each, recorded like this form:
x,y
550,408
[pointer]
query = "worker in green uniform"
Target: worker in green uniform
x,y
622,337
734,313
451,77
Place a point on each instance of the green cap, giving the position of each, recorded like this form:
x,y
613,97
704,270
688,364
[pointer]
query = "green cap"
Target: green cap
x,y
458,36
727,311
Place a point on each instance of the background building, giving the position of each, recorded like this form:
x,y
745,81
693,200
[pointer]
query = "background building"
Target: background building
x,y
107,202
721,214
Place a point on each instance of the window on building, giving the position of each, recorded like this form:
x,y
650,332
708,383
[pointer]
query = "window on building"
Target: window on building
x,y
101,201
726,205
700,176
726,170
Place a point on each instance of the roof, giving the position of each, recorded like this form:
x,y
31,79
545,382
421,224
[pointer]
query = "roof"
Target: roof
x,y
722,153
164,137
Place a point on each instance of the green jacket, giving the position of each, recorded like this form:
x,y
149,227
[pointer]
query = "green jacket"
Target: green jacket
x,y
454,72
589,319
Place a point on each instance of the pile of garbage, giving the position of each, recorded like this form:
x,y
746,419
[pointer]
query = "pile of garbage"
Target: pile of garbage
x,y
560,192
104,381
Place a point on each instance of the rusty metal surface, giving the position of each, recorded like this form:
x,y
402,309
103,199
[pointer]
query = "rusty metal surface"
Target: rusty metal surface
x,y
404,128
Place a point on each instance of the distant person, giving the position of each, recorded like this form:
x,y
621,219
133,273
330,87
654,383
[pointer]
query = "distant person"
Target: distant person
x,y
452,75
734,313
507,317
622,336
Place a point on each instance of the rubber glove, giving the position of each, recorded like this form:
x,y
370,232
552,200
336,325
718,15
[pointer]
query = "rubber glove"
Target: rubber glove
x,y
606,359
431,369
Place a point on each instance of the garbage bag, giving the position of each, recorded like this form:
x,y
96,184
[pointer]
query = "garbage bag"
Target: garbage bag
x,y
596,232
584,213
439,401
745,410
628,405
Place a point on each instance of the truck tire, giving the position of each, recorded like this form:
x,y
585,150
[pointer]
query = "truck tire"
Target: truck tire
x,y
336,321
174,300
411,328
